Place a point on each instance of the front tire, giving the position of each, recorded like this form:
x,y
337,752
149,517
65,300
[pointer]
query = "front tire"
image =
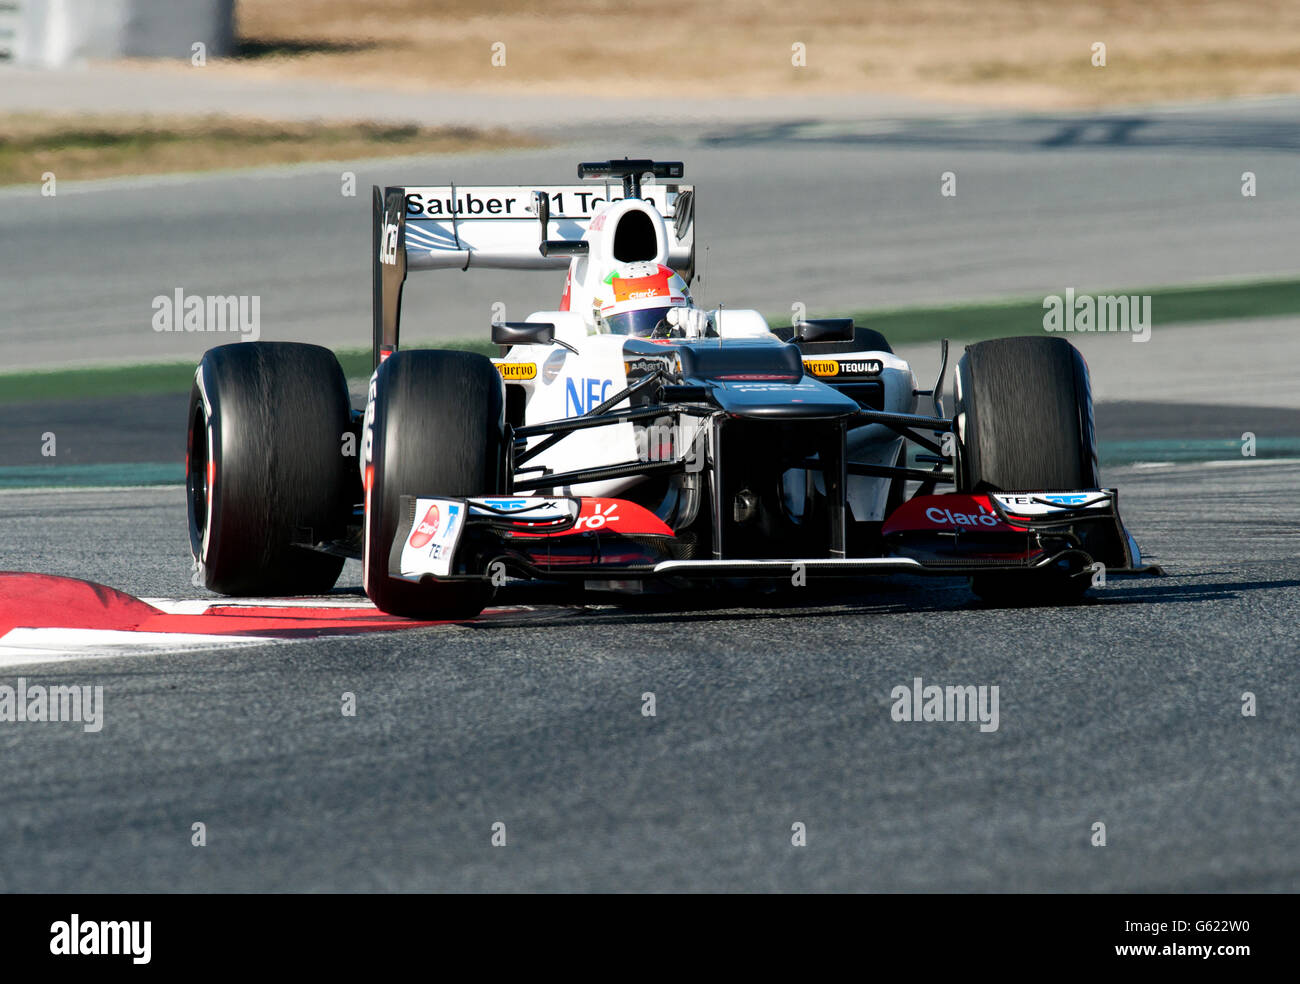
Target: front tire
x,y
435,425
265,468
1025,424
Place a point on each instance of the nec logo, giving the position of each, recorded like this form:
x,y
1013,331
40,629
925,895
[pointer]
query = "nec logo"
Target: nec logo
x,y
584,395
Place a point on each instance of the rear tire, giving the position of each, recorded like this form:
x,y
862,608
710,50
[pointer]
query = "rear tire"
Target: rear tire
x,y
434,426
1025,423
265,468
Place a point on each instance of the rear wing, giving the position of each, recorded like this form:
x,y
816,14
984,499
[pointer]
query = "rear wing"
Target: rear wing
x,y
451,227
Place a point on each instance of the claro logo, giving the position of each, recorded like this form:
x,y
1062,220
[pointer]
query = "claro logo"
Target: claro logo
x,y
947,517
427,529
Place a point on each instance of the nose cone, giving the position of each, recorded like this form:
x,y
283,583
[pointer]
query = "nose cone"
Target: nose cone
x,y
806,399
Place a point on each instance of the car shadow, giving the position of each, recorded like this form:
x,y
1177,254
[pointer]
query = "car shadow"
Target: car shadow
x,y
898,597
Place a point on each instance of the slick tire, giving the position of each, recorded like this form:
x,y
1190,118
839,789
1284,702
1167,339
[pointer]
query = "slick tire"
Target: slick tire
x,y
1025,423
435,425
267,469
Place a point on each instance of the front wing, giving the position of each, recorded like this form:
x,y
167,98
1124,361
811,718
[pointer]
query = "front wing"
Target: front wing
x,y
550,537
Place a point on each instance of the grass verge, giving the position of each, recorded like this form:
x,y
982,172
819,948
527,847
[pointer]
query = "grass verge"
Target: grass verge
x,y
74,148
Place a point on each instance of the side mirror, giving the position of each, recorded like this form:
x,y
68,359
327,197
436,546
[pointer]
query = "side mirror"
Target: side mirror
x,y
824,330
523,332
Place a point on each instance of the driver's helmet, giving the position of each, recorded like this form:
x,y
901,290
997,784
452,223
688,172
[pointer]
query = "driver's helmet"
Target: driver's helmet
x,y
636,297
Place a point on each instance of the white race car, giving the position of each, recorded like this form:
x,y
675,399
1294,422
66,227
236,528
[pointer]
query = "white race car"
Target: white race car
x,y
629,437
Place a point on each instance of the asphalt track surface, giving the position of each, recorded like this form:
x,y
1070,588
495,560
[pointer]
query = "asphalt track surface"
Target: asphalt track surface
x,y
770,711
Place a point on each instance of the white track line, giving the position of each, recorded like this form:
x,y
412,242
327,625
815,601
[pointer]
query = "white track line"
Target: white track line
x,y
197,606
21,647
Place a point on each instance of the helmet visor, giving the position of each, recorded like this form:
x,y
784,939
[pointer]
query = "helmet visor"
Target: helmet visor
x,y
639,324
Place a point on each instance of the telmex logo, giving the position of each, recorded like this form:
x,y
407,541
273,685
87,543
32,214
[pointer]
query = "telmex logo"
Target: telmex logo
x,y
1044,501
427,528
517,370
819,367
947,517
506,504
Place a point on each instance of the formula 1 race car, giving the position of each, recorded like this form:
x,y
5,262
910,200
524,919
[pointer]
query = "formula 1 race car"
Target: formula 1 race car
x,y
630,438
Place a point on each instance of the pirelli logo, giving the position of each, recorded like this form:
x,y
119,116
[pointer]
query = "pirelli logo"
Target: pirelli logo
x,y
838,367
517,370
